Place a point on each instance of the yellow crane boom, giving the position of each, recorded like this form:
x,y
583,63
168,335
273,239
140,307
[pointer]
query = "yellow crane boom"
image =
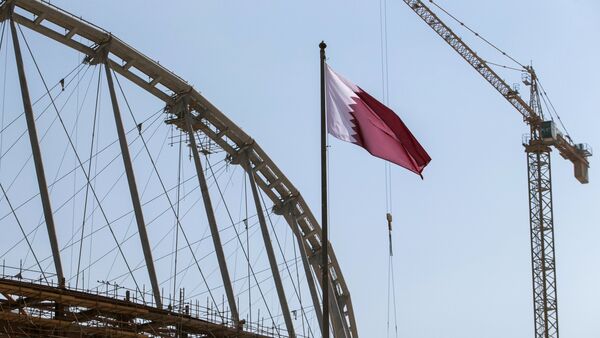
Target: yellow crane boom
x,y
576,153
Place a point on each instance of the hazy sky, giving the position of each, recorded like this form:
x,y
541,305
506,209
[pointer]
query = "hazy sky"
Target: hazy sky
x,y
461,235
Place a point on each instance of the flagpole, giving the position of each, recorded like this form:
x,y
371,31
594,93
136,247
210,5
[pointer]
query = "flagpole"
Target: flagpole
x,y
324,235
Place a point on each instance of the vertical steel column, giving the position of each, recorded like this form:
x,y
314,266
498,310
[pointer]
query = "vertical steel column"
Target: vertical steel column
x,y
37,156
270,252
212,222
135,198
291,219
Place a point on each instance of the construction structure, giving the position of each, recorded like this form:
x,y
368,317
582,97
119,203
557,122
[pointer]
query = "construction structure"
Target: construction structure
x,y
38,303
538,144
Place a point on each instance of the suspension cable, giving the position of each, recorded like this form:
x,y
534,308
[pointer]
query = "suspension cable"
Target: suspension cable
x,y
177,216
98,152
220,171
127,237
258,272
76,193
154,219
216,208
3,93
23,232
71,198
36,118
248,264
85,201
112,250
77,68
211,252
141,263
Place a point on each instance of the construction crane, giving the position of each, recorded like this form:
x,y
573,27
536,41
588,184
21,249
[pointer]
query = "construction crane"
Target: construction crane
x,y
538,144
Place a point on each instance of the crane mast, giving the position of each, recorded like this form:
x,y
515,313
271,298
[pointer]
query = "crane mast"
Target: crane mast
x,y
541,222
543,135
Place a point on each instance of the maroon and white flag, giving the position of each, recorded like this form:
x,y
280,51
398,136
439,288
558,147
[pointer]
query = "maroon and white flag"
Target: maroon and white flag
x,y
355,116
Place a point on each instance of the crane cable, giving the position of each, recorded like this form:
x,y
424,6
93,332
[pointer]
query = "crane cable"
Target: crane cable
x,y
544,94
524,68
477,34
3,92
391,285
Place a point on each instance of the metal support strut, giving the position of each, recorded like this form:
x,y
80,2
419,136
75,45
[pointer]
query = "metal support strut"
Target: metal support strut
x,y
212,222
135,198
270,253
37,157
337,321
340,327
307,272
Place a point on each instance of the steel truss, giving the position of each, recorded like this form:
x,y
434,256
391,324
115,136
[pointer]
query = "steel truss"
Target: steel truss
x,y
542,241
100,46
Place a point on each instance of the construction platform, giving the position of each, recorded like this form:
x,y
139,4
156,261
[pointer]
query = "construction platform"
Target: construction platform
x,y
30,309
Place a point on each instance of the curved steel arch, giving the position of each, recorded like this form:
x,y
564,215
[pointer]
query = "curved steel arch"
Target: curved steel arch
x,y
170,88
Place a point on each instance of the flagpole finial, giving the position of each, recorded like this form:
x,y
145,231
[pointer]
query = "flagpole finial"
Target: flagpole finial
x,y
322,45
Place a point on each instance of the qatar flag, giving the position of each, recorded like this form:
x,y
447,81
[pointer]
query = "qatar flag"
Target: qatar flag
x,y
355,116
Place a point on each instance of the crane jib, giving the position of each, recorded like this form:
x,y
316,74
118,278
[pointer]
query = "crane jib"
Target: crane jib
x,y
576,153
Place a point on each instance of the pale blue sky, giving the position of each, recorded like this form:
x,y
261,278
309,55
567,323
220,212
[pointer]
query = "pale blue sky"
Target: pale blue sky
x,y
461,236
